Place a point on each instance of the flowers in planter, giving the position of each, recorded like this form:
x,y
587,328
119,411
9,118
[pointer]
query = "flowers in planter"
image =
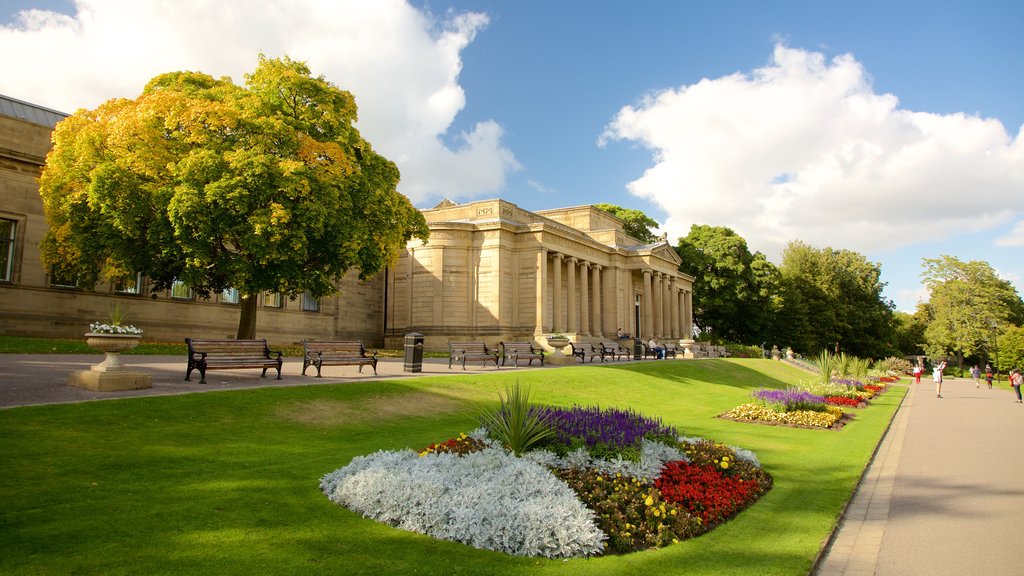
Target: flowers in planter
x,y
602,482
115,324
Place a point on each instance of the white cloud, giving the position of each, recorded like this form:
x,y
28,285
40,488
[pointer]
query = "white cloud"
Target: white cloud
x,y
804,149
402,65
1014,237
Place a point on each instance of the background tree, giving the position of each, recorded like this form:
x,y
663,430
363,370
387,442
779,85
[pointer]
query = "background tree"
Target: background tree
x,y
839,295
909,332
968,302
267,187
1011,349
637,224
732,290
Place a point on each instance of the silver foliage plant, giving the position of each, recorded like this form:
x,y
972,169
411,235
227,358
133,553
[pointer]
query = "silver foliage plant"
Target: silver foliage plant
x,y
653,457
488,499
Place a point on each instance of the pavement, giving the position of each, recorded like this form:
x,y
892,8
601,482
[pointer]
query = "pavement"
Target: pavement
x,y
944,493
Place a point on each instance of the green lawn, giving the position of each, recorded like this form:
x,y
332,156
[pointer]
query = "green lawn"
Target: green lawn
x,y
227,482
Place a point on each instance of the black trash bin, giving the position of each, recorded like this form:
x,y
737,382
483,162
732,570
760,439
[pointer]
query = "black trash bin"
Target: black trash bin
x,y
638,349
413,352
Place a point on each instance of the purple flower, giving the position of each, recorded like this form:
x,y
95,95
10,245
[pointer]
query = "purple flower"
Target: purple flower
x,y
611,428
790,399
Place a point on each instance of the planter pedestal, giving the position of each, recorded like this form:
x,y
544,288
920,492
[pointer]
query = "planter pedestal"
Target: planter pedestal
x,y
110,375
557,357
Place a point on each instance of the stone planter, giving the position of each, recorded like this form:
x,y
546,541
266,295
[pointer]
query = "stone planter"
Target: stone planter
x,y
557,357
110,375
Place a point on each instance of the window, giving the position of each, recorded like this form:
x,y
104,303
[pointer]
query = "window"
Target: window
x,y
229,296
60,278
310,303
181,291
133,286
8,228
273,300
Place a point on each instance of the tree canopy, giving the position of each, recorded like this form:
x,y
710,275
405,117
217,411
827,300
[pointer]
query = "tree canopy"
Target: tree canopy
x,y
732,290
266,187
967,306
637,224
835,297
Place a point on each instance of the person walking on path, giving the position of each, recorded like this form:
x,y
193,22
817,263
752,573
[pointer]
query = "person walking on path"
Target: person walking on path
x,y
937,377
988,375
917,373
1015,380
976,375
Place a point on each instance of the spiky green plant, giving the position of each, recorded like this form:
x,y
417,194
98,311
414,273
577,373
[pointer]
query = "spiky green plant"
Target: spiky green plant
x,y
516,423
826,363
859,367
842,368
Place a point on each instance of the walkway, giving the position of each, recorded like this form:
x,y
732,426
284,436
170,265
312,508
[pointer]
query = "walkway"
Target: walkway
x,y
945,492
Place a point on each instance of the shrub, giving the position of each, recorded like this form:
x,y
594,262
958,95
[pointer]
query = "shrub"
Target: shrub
x,y
632,514
516,423
488,499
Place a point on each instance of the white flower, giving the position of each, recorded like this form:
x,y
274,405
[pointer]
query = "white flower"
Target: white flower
x,y
97,328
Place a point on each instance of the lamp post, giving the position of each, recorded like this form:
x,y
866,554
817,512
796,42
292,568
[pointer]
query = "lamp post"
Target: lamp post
x,y
995,344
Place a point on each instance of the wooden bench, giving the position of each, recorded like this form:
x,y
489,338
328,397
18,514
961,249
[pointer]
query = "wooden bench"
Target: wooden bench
x,y
577,352
520,350
612,350
322,353
471,351
206,355
670,350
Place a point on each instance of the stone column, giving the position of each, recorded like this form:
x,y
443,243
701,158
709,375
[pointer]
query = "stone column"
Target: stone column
x,y
598,329
570,297
541,290
688,317
659,308
674,298
585,298
666,306
648,326
557,319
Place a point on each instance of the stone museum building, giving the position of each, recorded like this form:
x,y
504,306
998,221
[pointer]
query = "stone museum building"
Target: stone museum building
x,y
490,271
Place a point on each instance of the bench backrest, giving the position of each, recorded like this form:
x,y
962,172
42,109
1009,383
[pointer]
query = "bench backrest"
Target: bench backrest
x,y
613,347
469,347
229,348
334,347
520,347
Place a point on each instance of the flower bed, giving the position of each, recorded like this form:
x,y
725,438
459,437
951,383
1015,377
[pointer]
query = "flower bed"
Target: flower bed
x,y
606,482
826,418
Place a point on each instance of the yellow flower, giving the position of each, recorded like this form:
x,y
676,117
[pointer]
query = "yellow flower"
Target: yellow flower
x,y
649,501
725,463
657,512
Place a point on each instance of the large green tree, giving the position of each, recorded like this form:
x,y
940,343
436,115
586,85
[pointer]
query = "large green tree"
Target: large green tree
x,y
968,305
839,295
733,288
266,187
637,224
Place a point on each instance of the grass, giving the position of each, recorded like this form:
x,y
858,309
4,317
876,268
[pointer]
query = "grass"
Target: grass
x,y
227,482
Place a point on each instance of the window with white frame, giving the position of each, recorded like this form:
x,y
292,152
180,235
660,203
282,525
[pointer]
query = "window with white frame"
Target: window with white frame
x,y
132,286
229,296
8,229
310,303
273,300
181,291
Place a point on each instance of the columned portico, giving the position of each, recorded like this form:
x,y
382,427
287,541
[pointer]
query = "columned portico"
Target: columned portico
x,y
674,298
598,329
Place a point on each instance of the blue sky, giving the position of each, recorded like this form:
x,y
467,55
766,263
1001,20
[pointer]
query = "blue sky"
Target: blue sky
x,y
892,129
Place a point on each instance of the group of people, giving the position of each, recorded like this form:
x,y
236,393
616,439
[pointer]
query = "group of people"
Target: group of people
x,y
1016,378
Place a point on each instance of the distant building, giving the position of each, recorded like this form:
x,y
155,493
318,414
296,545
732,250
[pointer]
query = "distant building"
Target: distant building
x,y
490,271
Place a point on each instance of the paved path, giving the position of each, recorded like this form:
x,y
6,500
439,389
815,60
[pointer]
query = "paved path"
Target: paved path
x,y
945,492
27,379
943,495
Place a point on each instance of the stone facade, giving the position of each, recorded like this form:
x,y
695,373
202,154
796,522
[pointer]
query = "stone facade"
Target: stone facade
x,y
494,271
31,305
490,271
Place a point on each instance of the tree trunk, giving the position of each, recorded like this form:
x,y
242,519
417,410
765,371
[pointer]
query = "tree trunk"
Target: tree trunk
x,y
247,319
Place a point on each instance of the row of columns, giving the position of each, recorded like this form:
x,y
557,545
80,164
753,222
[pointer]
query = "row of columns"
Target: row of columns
x,y
666,304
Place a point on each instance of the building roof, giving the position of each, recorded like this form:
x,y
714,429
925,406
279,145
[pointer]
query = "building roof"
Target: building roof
x,y
30,112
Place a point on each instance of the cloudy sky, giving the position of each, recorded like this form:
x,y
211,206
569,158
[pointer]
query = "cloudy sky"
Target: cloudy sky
x,y
892,129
